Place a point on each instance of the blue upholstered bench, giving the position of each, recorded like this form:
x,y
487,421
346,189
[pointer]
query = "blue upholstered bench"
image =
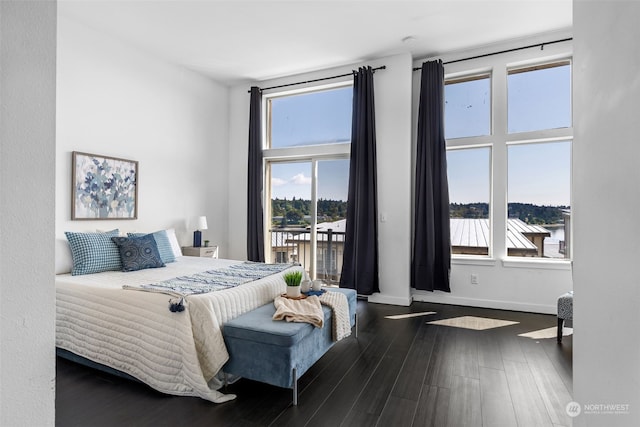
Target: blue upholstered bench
x,y
278,352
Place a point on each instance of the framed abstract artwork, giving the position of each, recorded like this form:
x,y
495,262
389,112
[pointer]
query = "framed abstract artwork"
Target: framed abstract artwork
x,y
103,187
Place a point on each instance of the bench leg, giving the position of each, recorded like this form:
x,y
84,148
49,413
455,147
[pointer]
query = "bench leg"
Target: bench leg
x,y
560,323
356,326
295,388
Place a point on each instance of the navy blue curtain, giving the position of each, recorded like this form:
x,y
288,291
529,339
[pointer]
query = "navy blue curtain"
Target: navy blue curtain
x,y
255,224
360,263
431,263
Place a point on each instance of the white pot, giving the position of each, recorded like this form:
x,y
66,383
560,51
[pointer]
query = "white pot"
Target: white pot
x,y
293,291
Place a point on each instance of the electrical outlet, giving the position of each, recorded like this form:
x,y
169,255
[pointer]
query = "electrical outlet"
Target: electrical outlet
x,y
474,279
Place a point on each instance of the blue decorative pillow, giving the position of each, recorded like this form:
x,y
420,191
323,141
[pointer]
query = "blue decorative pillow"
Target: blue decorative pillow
x,y
138,253
93,252
163,243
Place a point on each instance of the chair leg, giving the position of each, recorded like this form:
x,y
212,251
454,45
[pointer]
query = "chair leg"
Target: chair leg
x,y
560,323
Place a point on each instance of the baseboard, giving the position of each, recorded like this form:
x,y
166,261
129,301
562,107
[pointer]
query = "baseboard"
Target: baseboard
x,y
378,298
484,303
438,298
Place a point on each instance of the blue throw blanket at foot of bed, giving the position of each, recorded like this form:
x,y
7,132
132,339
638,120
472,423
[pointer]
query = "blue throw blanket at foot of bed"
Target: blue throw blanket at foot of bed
x,y
210,281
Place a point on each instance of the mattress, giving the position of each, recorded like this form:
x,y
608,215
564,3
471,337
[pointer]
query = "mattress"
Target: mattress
x,y
133,331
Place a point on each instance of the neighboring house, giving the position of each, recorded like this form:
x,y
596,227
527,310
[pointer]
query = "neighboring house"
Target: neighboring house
x,y
294,245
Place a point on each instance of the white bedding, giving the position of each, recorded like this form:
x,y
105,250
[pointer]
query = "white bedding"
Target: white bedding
x,y
134,331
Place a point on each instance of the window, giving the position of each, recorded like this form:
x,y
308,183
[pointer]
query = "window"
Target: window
x,y
539,97
310,118
469,175
290,193
307,169
467,109
539,200
509,155
282,257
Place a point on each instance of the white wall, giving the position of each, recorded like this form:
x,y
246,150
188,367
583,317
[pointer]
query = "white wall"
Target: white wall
x,y
27,131
393,139
393,125
237,181
116,100
607,201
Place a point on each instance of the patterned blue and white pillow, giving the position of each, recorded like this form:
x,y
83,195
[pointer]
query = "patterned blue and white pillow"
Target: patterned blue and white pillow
x,y
93,252
163,243
138,253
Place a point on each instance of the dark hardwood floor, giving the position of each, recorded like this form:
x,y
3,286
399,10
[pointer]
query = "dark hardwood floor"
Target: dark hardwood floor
x,y
399,372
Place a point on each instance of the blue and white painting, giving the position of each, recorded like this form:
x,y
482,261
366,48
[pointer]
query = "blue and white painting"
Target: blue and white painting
x,y
104,187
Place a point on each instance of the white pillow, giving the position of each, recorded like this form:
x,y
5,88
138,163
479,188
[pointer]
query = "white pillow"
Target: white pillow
x,y
173,240
64,260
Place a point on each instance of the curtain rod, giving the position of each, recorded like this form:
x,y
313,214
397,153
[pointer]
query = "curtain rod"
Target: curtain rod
x,y
541,45
383,67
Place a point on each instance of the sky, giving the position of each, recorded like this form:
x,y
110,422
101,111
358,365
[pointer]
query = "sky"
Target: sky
x,y
291,180
538,173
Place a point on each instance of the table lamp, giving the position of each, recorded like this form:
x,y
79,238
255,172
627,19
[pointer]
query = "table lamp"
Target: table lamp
x,y
197,235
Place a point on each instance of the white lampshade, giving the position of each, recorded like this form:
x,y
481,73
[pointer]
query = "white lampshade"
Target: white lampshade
x,y
202,223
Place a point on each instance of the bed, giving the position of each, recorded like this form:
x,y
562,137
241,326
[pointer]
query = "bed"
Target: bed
x,y
134,332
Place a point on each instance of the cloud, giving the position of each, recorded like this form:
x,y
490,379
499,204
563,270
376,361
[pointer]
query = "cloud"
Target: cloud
x,y
277,182
300,179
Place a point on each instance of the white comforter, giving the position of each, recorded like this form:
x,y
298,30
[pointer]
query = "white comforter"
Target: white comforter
x,y
134,331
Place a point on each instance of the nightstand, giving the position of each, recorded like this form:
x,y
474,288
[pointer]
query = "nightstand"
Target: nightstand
x,y
208,251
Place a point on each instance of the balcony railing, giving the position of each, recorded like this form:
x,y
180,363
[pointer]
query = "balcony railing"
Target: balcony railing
x,y
294,245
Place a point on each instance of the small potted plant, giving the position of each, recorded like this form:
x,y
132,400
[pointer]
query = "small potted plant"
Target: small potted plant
x,y
206,243
292,279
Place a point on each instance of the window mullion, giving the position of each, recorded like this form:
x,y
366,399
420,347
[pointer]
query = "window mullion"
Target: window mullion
x,y
314,218
499,163
266,202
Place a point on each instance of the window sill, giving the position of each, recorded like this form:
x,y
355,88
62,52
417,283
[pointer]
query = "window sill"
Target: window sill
x,y
473,260
539,263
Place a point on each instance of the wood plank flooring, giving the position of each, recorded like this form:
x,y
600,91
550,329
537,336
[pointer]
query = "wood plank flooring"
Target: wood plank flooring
x,y
398,372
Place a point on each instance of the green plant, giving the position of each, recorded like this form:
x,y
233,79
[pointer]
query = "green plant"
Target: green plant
x,y
293,278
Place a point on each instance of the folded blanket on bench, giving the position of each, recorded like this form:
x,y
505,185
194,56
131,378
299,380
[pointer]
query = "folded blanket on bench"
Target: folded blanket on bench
x,y
306,310
309,310
340,313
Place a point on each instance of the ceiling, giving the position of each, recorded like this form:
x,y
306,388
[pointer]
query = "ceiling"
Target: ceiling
x,y
239,41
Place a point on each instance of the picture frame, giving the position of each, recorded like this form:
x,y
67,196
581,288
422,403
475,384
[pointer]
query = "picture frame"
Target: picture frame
x,y
103,187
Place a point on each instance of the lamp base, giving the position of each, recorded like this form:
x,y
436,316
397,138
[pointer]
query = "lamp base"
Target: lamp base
x,y
197,239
